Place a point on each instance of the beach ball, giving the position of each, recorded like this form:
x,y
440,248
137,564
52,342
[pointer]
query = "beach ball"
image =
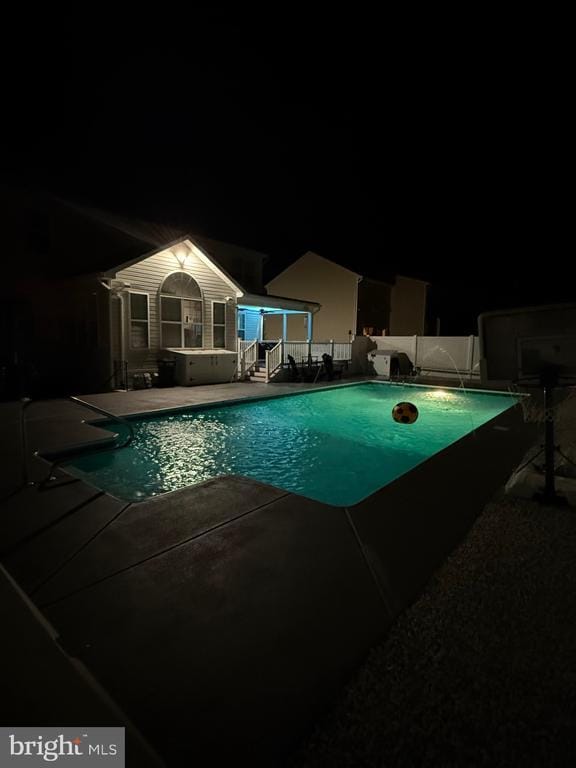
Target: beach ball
x,y
405,413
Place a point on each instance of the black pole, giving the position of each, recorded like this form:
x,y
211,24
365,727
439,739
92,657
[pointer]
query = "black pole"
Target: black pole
x,y
549,485
549,380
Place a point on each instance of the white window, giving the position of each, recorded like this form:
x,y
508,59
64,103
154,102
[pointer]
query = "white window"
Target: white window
x,y
139,321
219,324
181,311
241,324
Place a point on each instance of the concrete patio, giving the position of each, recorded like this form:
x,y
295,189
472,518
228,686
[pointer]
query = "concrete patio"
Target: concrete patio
x,y
228,615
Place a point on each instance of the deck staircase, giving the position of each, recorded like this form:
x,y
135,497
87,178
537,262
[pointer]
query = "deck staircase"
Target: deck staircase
x,y
258,373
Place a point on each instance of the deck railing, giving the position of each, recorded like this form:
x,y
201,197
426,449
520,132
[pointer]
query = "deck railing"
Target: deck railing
x,y
274,359
302,350
247,357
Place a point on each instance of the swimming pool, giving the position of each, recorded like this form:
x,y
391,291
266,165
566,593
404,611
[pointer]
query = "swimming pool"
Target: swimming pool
x,y
336,445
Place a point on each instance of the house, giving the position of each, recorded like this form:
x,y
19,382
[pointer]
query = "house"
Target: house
x,y
94,300
180,300
350,303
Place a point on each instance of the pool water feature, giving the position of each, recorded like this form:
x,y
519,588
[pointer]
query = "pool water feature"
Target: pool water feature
x,y
336,445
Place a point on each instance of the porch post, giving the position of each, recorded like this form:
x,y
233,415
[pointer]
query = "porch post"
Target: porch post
x,y
310,325
261,326
284,326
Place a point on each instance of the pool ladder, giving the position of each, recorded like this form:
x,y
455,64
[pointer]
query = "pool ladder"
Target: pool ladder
x,y
44,484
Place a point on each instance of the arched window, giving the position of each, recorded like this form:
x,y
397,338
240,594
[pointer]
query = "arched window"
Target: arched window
x,y
181,311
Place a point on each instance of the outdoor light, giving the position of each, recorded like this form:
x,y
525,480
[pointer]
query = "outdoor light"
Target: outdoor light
x,y
181,254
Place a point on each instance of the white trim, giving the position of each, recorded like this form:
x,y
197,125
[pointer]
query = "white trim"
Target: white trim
x,y
194,247
240,313
181,323
203,256
132,320
220,325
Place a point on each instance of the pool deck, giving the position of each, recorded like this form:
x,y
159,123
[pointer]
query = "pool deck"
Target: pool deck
x,y
229,613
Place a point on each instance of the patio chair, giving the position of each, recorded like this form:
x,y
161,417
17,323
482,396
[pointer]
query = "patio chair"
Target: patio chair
x,y
294,374
329,369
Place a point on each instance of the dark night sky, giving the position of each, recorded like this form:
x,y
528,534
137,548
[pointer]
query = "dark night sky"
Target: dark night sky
x,y
370,144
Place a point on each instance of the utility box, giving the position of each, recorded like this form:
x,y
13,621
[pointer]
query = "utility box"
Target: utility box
x,y
203,366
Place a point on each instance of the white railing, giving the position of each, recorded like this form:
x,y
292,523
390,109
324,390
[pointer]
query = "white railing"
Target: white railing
x,y
342,351
243,346
274,358
302,350
247,357
319,348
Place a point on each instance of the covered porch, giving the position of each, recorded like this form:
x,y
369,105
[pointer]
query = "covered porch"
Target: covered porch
x,y
262,318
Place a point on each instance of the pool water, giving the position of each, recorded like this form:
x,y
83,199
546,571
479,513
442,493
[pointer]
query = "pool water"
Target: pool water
x,y
336,445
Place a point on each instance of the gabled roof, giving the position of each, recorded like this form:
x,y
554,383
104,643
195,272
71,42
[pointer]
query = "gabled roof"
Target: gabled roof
x,y
68,239
316,255
387,278
219,249
158,236
416,279
190,241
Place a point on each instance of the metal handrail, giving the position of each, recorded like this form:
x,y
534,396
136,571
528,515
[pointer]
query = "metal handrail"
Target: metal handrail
x,y
27,402
120,419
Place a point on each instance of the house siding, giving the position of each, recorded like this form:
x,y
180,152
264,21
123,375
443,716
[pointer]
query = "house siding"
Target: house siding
x,y
323,281
252,325
147,276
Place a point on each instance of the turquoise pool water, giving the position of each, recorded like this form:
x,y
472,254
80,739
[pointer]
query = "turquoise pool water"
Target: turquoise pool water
x,y
337,445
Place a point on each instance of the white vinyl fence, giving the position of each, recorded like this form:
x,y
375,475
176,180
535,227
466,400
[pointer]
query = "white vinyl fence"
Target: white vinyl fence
x,y
437,355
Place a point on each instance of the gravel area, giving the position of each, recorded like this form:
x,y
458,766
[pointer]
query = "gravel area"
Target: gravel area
x,y
481,670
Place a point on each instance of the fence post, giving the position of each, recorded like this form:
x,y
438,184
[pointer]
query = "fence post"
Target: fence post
x,y
470,356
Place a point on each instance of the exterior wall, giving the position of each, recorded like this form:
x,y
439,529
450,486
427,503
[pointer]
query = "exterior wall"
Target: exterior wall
x,y
408,307
314,278
252,325
296,328
147,276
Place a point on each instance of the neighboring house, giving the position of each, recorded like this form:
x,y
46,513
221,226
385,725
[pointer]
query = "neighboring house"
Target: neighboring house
x,y
111,295
374,302
350,303
334,287
408,307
